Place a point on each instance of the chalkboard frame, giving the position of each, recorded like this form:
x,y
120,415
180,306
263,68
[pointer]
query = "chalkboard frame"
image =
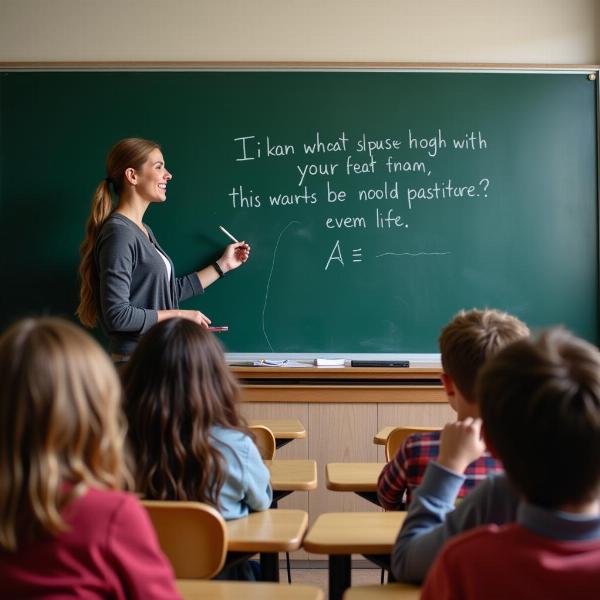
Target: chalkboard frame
x,y
593,72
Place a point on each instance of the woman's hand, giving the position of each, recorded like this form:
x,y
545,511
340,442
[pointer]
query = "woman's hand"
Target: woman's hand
x,y
196,316
234,256
192,315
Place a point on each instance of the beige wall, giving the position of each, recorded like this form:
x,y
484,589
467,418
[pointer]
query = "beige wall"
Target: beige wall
x,y
540,31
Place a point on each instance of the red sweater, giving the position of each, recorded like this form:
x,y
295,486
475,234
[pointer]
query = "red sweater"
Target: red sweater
x,y
109,551
512,562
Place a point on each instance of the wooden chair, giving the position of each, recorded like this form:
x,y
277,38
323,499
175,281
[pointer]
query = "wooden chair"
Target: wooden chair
x,y
192,535
265,441
266,444
393,443
398,435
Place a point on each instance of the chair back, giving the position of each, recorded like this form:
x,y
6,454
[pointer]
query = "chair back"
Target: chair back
x,y
265,441
398,435
192,535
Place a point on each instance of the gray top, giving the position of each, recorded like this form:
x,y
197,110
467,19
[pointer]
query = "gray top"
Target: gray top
x,y
433,519
133,282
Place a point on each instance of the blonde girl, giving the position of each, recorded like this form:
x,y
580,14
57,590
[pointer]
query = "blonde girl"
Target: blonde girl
x,y
66,528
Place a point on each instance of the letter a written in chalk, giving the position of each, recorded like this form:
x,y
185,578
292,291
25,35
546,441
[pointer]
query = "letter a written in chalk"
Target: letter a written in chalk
x,y
336,254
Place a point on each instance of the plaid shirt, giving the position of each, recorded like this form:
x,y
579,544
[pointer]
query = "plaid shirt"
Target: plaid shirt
x,y
406,470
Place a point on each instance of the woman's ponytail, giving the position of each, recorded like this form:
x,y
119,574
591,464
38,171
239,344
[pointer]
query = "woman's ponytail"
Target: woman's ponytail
x,y
102,207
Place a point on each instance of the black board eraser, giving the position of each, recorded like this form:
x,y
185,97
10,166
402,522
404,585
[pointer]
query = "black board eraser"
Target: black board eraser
x,y
379,363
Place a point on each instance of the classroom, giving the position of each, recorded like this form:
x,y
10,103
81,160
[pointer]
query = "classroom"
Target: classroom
x,y
389,163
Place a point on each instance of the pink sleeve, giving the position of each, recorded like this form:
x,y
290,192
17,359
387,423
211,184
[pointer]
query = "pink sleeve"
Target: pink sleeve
x,y
142,568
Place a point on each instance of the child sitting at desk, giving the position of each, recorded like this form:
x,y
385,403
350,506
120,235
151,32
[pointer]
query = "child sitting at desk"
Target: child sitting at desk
x,y
465,344
540,404
66,528
189,441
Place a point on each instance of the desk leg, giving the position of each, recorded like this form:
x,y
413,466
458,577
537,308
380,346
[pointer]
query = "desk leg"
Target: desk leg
x,y
269,566
340,575
279,495
370,496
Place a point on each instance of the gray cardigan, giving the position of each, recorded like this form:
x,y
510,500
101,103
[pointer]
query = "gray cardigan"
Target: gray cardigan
x,y
133,282
432,518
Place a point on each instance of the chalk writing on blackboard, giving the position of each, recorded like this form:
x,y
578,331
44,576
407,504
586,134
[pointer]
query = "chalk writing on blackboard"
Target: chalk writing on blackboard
x,y
265,304
331,171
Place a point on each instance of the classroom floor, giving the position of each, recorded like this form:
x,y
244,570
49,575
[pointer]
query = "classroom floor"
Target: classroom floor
x,y
318,577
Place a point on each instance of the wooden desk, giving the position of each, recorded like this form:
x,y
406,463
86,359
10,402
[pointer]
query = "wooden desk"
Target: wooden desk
x,y
391,591
360,478
249,590
341,385
284,430
292,475
382,435
268,532
342,534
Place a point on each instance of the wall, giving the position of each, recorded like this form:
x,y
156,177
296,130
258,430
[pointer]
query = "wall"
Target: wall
x,y
538,31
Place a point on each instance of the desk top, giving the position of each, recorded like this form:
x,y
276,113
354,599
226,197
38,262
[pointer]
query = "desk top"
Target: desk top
x,y
382,435
352,477
391,591
283,429
292,475
273,530
354,533
197,589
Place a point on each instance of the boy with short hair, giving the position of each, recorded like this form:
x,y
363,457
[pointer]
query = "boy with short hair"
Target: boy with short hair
x,y
468,340
540,404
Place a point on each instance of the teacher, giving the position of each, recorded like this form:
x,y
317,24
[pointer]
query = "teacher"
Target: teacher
x,y
128,282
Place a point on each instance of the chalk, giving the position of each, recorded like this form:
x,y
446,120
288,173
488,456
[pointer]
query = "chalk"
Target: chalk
x,y
228,234
221,328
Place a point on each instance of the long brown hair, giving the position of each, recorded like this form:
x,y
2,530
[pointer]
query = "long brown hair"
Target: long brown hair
x,y
61,428
177,386
125,154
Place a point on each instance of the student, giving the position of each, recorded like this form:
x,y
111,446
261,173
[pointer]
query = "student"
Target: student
x,y
128,282
66,529
188,438
468,340
540,403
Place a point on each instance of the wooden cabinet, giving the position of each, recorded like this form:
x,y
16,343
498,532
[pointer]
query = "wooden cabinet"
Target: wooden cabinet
x,y
341,410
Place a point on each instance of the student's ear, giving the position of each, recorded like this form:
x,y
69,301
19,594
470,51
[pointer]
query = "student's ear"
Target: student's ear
x,y
131,175
448,384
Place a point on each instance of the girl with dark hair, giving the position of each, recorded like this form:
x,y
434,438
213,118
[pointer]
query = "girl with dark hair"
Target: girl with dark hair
x,y
128,282
187,436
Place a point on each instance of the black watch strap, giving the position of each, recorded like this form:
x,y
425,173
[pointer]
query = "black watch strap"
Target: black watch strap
x,y
218,269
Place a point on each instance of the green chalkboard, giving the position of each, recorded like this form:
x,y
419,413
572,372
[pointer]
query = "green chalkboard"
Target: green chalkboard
x,y
377,203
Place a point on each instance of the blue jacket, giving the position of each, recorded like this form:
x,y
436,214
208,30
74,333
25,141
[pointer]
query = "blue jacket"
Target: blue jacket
x,y
247,486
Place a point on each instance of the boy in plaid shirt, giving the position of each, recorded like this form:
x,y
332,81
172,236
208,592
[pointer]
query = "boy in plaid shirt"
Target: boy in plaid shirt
x,y
466,343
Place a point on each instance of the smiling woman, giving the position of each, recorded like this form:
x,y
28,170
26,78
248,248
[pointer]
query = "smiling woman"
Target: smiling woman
x,y
128,282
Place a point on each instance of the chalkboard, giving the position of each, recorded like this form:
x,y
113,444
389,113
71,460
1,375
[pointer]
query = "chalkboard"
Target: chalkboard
x,y
377,203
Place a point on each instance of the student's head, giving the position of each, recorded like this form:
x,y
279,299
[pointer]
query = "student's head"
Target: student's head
x,y
540,405
61,428
467,341
130,153
178,386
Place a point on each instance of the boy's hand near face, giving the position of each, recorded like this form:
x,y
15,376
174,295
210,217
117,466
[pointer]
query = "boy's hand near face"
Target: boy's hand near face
x,y
460,444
